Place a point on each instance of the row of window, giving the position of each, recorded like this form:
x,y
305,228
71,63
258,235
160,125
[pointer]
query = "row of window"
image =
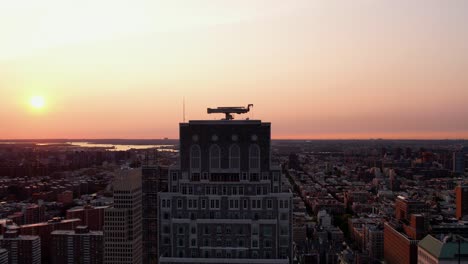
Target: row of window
x,y
215,157
232,204
228,254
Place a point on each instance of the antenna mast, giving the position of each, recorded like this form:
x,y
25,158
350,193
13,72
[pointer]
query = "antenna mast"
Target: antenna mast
x,y
183,109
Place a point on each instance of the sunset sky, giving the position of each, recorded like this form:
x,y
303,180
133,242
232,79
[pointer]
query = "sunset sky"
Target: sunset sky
x,y
315,69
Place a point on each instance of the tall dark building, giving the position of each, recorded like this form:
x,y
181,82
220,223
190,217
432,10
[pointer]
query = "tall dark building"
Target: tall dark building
x,y
225,203
154,180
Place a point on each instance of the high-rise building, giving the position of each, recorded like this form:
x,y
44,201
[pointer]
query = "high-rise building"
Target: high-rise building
x,y
404,207
91,216
402,234
459,162
33,214
461,193
21,249
3,255
79,246
374,241
154,180
225,202
44,230
122,221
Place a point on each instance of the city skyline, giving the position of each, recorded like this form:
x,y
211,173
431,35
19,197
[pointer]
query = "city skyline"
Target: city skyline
x,y
314,69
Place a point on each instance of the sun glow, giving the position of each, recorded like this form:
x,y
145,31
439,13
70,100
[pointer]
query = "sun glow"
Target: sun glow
x,y
37,102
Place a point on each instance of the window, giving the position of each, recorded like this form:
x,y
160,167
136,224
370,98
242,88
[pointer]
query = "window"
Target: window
x,y
179,203
241,243
241,190
267,243
275,176
203,204
284,230
245,204
254,230
284,216
215,157
174,176
255,243
269,204
244,176
254,157
193,242
195,158
214,204
234,157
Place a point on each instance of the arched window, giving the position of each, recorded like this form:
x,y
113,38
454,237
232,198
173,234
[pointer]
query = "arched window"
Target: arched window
x,y
234,157
195,158
215,157
254,157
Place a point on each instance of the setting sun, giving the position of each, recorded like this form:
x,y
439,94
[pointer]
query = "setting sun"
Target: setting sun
x,y
37,102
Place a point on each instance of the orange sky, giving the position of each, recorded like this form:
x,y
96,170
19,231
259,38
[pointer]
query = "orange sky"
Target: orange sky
x,y
315,69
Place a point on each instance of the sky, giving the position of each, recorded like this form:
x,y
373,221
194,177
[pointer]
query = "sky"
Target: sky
x,y
328,69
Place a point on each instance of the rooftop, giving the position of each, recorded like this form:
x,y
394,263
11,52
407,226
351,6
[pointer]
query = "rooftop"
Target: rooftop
x,y
441,249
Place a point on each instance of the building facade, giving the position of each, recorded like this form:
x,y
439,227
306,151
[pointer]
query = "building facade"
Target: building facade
x,y
91,216
21,249
461,199
154,180
79,246
445,251
122,221
224,203
3,255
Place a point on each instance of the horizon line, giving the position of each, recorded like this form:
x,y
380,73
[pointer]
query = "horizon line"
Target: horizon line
x,y
277,139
